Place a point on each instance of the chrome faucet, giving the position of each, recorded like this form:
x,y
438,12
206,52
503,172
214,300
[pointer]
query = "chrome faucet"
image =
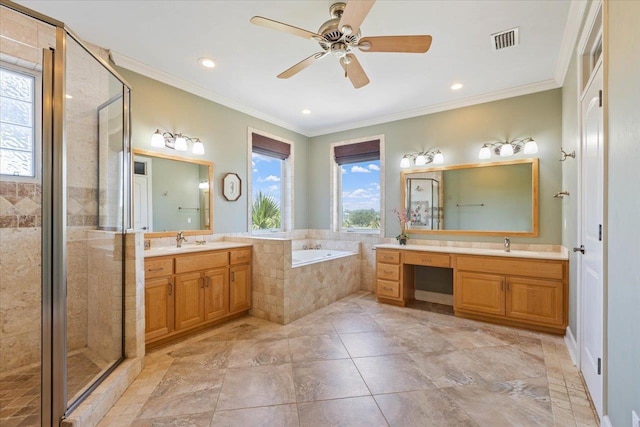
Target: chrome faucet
x,y
305,247
317,247
179,239
507,244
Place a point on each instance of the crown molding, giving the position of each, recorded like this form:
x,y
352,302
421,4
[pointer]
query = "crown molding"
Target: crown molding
x,y
479,99
153,73
577,11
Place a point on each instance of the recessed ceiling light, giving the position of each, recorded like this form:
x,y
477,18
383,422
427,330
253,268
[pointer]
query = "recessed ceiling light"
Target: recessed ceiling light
x,y
306,112
68,96
456,86
207,62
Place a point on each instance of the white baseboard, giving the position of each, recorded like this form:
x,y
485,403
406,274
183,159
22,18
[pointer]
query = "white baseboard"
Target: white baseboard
x,y
606,421
436,297
572,345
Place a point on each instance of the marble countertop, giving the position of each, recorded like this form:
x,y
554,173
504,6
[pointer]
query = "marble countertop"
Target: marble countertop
x,y
563,254
192,247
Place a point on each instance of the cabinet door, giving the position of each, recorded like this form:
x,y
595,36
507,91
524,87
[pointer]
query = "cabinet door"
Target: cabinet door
x,y
240,288
158,307
480,293
189,306
535,300
216,293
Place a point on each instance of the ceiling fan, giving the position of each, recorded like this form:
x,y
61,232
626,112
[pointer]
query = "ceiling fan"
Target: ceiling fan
x,y
340,36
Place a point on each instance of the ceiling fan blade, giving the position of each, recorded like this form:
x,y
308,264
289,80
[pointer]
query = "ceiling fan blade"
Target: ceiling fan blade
x,y
275,25
354,71
354,13
403,44
301,65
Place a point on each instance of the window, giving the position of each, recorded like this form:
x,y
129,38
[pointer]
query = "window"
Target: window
x,y
269,183
357,189
17,123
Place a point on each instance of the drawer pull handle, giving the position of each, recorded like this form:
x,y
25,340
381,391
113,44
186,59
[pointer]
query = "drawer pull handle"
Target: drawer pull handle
x,y
387,288
233,276
388,272
426,259
156,269
170,288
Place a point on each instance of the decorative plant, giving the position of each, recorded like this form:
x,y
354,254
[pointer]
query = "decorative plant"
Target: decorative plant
x,y
265,212
403,219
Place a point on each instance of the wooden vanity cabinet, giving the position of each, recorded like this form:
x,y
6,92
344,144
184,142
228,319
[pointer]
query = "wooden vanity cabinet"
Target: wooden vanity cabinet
x,y
158,316
388,278
187,292
514,291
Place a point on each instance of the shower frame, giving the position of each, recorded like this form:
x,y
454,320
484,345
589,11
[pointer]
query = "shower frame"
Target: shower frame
x,y
54,404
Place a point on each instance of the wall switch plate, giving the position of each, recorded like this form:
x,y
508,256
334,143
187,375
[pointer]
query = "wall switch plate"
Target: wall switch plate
x,y
635,419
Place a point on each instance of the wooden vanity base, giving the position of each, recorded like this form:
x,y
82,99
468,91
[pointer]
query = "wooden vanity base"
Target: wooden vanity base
x,y
529,293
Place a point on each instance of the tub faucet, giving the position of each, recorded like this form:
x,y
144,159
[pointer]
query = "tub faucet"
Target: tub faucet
x,y
317,247
179,239
507,244
305,247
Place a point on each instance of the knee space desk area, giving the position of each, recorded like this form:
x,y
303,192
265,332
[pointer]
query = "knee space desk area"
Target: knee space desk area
x,y
526,289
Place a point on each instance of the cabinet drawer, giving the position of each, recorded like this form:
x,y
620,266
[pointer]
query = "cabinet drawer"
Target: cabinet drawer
x,y
240,256
512,266
388,257
388,271
389,289
158,267
426,258
188,263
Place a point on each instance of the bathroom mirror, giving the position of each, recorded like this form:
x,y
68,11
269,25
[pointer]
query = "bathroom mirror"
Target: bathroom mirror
x,y
491,199
171,194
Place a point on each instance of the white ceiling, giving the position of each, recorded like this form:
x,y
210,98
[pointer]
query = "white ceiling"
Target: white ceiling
x,y
164,39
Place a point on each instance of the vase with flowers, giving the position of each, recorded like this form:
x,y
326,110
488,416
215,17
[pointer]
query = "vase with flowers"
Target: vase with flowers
x,y
403,219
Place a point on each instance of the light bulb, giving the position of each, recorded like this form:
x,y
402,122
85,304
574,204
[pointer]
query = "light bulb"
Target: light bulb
x,y
204,185
198,147
530,147
157,140
181,143
421,160
438,158
485,152
506,150
405,163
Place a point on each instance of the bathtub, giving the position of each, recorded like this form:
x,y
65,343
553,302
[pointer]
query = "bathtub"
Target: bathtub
x,y
312,256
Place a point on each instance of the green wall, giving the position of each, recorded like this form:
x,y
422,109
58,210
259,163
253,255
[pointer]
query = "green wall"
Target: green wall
x,y
459,134
224,134
622,87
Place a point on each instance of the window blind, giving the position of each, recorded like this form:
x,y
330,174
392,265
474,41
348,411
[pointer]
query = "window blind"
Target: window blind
x,y
270,147
358,152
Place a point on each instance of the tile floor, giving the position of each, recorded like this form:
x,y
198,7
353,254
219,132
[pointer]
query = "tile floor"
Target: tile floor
x,y
20,392
358,363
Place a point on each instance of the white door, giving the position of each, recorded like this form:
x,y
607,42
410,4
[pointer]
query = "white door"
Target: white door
x,y
142,211
591,261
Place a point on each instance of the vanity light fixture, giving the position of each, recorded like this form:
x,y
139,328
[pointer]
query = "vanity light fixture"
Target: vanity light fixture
x,y
509,148
178,142
204,185
422,158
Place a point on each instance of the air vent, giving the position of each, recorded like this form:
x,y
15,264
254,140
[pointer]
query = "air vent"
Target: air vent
x,y
505,39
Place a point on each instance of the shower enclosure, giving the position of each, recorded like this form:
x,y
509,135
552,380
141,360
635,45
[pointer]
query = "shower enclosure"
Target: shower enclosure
x,y
64,192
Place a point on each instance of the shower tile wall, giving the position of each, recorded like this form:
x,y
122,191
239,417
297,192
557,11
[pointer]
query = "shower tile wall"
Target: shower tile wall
x,y
20,218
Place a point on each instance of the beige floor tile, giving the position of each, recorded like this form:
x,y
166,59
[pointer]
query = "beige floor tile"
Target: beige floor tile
x,y
391,374
422,408
327,379
317,347
352,412
257,386
354,323
259,352
364,344
266,416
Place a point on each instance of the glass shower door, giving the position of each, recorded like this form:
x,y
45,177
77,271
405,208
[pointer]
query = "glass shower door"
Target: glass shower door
x,y
95,196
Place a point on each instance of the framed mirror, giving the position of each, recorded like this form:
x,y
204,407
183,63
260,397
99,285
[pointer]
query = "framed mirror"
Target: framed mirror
x,y
171,194
491,199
